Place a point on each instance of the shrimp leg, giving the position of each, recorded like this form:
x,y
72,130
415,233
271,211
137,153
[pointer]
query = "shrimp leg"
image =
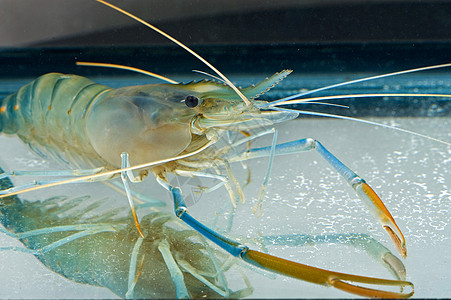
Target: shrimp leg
x,y
126,176
365,192
143,199
286,267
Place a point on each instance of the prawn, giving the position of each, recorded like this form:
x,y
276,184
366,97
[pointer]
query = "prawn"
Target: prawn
x,y
171,128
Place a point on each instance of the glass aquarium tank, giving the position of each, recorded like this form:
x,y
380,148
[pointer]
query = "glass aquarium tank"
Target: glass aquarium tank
x,y
370,81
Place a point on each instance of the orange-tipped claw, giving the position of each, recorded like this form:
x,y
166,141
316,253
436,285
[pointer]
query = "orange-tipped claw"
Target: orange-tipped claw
x,y
400,244
325,277
379,210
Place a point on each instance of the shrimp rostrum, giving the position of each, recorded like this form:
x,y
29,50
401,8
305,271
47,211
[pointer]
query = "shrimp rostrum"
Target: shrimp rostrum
x,y
157,129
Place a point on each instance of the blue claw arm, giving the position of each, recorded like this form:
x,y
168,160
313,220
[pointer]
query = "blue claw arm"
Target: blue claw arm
x,y
275,264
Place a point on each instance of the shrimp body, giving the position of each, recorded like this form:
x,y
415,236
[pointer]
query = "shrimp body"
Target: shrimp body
x,y
85,124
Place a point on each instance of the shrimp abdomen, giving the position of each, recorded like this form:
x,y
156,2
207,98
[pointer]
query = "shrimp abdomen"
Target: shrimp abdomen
x,y
49,113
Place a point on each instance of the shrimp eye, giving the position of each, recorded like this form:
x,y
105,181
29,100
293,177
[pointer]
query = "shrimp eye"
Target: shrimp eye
x,y
191,101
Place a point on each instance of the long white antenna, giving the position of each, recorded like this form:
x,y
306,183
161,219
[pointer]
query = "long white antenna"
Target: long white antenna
x,y
122,67
361,80
229,83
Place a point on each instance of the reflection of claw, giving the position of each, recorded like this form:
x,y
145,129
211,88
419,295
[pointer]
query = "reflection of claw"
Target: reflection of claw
x,y
395,265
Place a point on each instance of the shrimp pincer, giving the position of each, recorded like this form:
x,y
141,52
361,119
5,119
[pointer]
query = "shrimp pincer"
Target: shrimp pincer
x,y
176,128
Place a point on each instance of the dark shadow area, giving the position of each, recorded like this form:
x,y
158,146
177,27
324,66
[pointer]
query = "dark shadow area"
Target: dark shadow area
x,y
337,22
